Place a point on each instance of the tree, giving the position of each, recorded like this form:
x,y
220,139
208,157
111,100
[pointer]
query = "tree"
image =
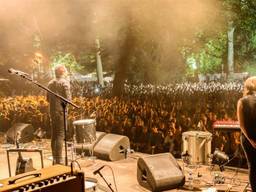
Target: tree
x,y
66,59
209,58
123,64
243,15
209,50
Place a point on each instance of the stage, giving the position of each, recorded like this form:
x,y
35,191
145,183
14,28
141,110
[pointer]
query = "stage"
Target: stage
x,y
125,171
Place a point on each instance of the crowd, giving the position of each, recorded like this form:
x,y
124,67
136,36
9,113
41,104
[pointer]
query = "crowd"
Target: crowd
x,y
153,117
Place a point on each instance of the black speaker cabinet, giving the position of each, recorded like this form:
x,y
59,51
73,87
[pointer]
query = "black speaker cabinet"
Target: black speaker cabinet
x,y
87,147
112,147
25,132
159,172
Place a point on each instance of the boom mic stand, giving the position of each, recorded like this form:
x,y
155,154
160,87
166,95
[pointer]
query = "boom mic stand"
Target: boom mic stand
x,y
64,103
98,172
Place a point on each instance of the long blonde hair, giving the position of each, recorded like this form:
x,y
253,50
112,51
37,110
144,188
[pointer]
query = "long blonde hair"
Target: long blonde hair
x,y
250,86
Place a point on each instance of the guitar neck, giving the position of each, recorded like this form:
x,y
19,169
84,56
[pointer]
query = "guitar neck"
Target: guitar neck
x,y
18,146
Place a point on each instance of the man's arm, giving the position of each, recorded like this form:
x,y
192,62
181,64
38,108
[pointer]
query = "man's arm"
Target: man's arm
x,y
240,118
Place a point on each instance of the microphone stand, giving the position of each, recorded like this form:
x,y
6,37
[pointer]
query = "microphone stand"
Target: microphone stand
x,y
108,184
64,103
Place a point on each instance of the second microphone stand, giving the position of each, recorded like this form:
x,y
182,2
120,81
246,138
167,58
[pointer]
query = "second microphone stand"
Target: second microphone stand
x,y
108,184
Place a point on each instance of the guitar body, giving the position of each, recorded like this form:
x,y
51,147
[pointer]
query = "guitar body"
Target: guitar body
x,y
24,165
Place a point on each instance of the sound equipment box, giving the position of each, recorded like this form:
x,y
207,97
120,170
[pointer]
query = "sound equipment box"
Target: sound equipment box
x,y
159,172
112,147
54,178
25,132
86,148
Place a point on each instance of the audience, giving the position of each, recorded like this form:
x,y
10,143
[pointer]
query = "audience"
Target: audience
x,y
153,117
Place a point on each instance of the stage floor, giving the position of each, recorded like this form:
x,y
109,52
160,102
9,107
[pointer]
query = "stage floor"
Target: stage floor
x,y
125,171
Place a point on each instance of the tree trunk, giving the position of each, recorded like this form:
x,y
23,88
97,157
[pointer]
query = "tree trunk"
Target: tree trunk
x,y
99,64
119,80
231,29
123,63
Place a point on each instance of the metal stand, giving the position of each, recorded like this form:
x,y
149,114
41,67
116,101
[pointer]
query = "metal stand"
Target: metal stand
x,y
72,152
91,150
108,184
64,102
64,108
23,150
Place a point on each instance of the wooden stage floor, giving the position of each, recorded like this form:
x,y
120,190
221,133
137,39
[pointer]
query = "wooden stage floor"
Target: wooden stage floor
x,y
125,171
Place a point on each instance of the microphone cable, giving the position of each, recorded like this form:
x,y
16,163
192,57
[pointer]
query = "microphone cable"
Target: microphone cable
x,y
113,175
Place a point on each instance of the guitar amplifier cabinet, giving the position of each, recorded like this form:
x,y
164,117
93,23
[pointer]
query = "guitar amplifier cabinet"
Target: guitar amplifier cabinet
x,y
54,178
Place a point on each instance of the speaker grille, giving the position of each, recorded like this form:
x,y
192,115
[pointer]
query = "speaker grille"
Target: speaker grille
x,y
159,172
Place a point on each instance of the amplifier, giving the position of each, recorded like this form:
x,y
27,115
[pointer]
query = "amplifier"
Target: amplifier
x,y
54,178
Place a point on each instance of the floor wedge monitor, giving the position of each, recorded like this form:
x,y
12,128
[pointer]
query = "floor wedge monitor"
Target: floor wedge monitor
x,y
22,131
112,147
159,172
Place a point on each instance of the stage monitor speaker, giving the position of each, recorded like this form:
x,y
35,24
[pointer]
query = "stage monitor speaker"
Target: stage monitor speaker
x,y
159,172
25,131
86,148
112,147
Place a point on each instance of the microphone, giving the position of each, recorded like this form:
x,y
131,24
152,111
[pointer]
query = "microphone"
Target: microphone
x,y
17,72
98,170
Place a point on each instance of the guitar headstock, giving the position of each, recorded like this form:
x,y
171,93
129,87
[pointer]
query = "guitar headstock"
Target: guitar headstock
x,y
18,137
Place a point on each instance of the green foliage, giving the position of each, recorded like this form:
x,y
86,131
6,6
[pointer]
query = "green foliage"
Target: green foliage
x,y
253,40
191,65
251,69
244,17
67,59
208,51
88,61
208,58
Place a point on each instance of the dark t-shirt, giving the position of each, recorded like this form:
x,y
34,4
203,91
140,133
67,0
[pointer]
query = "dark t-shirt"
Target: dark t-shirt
x,y
249,114
60,86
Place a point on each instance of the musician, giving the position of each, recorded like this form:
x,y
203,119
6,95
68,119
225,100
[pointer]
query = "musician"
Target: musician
x,y
61,86
246,114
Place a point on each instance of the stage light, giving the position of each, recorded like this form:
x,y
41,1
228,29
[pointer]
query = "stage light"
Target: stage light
x,y
97,90
219,158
